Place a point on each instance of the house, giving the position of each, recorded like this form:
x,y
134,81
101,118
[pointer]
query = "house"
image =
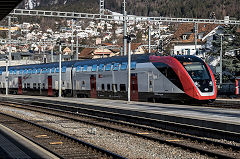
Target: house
x,y
67,51
184,38
103,51
93,53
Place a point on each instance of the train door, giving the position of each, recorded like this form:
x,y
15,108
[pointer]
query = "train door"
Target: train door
x,y
93,86
20,85
134,87
50,90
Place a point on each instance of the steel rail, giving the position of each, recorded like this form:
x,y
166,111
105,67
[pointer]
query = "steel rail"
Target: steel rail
x,y
194,149
103,151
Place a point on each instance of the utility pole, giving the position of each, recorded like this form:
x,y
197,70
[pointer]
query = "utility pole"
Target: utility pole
x,y
9,38
60,71
196,32
52,51
76,57
149,39
72,41
129,67
8,58
6,76
124,28
220,73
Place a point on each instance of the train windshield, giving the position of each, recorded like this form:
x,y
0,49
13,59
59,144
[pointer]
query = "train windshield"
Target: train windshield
x,y
196,70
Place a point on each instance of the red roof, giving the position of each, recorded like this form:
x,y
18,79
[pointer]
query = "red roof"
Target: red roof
x,y
86,53
189,30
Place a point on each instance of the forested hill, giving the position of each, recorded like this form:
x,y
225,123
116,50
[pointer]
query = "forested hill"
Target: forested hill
x,y
172,8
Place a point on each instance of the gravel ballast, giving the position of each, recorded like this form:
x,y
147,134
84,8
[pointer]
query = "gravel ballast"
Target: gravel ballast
x,y
126,145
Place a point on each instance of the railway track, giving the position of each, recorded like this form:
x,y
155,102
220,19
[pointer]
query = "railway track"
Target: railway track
x,y
185,141
56,142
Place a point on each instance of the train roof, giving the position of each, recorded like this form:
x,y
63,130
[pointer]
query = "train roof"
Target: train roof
x,y
116,59
187,58
141,58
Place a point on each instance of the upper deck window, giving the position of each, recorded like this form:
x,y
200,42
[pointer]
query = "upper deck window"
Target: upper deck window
x,y
53,70
133,65
34,71
116,67
94,68
85,68
43,70
64,69
79,68
38,70
101,67
29,71
124,66
57,70
48,70
108,67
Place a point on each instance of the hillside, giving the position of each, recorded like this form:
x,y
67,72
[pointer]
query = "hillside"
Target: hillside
x,y
173,8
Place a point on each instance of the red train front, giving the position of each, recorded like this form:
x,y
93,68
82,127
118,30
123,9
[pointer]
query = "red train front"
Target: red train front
x,y
192,75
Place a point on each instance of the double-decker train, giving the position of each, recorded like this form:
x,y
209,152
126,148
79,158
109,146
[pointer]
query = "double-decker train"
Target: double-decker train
x,y
153,77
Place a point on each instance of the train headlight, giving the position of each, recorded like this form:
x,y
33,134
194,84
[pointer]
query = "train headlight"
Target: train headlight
x,y
197,84
210,83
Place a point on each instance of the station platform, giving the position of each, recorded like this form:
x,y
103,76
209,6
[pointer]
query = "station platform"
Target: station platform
x,y
13,145
205,117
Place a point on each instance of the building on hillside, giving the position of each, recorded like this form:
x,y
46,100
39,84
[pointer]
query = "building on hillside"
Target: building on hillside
x,y
136,48
93,53
67,51
184,38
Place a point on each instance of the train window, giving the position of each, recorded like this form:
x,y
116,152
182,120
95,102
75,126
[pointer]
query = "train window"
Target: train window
x,y
25,85
38,70
101,67
64,69
79,68
29,71
150,82
103,87
85,68
39,85
0,72
94,68
57,70
34,85
122,87
48,70
43,85
116,67
53,70
133,65
108,87
43,70
124,66
108,67
28,85
34,71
